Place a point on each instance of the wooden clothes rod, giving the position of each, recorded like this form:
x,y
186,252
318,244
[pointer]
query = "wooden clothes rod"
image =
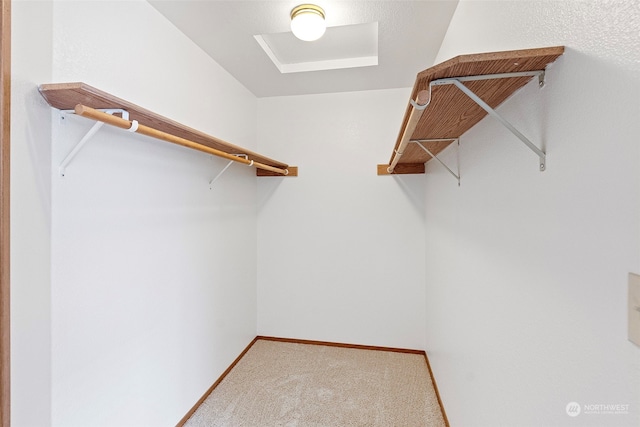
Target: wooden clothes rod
x,y
422,100
91,113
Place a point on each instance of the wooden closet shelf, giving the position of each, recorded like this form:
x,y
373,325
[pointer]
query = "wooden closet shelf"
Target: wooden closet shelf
x,y
67,96
449,112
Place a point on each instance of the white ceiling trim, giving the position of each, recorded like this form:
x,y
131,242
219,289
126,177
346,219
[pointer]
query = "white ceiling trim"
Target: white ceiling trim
x,y
328,64
409,37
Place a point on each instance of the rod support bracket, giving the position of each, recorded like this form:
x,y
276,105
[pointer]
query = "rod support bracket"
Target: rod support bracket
x,y
417,106
227,167
94,129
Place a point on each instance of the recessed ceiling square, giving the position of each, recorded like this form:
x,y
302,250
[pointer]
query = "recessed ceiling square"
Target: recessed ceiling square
x,y
346,46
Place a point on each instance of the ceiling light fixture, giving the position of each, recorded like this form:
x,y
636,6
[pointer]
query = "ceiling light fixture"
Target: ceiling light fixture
x,y
307,22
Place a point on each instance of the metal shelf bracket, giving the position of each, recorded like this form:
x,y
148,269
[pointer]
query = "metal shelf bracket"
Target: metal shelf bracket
x,y
227,167
457,81
95,128
420,143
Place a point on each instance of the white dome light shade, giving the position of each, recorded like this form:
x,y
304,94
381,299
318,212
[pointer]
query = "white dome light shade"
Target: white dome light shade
x,y
307,22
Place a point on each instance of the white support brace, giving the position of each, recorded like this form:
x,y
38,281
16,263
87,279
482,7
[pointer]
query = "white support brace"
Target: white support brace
x,y
420,143
95,128
227,167
457,81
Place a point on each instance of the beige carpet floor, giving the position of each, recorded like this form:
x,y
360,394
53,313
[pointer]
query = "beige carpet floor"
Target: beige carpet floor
x,y
296,385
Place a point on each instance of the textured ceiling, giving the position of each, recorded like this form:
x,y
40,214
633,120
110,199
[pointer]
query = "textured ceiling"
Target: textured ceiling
x,y
409,37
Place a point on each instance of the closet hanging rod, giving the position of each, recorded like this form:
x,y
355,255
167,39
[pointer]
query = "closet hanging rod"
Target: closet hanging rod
x,y
134,126
422,100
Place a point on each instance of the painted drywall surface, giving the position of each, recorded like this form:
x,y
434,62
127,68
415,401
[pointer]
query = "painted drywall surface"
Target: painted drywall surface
x,y
527,271
30,216
154,272
340,249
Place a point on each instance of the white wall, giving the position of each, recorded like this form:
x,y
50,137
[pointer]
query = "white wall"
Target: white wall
x,y
340,249
150,292
527,271
30,215
153,273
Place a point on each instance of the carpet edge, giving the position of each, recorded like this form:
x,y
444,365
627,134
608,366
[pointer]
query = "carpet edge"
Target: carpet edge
x,y
215,384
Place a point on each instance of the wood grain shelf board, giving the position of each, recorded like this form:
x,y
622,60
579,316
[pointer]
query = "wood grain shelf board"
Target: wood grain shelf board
x,y
65,96
451,113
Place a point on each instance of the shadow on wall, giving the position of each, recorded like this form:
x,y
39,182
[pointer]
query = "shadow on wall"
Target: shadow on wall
x,y
413,187
38,135
267,186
